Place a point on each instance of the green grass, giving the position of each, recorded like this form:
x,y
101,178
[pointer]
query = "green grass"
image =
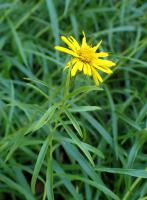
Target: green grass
x,y
76,141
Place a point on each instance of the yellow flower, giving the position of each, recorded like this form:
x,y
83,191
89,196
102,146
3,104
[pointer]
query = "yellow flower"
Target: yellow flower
x,y
85,58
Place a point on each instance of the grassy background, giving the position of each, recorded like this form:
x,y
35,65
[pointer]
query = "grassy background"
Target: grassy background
x,y
42,153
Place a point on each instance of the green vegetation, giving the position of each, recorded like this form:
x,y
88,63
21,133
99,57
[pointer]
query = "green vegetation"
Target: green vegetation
x,y
76,141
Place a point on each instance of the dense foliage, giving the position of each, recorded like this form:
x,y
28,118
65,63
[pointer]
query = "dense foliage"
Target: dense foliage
x,y
62,139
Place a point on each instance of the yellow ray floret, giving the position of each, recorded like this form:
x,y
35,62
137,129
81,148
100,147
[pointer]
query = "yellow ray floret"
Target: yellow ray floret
x,y
85,58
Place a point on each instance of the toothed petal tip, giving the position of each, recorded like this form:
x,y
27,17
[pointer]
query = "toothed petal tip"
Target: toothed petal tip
x,y
83,33
113,64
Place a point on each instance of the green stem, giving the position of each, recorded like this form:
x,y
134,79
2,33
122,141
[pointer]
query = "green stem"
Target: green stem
x,y
67,84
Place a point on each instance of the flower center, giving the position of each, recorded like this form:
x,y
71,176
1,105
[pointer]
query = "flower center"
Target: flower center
x,y
86,54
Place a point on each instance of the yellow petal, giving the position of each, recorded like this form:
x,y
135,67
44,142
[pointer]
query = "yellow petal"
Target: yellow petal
x,y
71,62
71,46
65,50
85,69
104,69
88,70
84,40
74,69
102,54
74,41
97,46
96,76
106,63
80,65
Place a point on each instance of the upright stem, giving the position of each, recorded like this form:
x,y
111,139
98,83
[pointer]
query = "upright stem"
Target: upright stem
x,y
67,84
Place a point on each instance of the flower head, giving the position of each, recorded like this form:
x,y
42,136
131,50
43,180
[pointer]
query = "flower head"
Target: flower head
x,y
85,58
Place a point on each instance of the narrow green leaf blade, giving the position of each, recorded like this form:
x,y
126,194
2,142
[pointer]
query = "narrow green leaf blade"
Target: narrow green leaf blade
x,y
39,163
74,122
